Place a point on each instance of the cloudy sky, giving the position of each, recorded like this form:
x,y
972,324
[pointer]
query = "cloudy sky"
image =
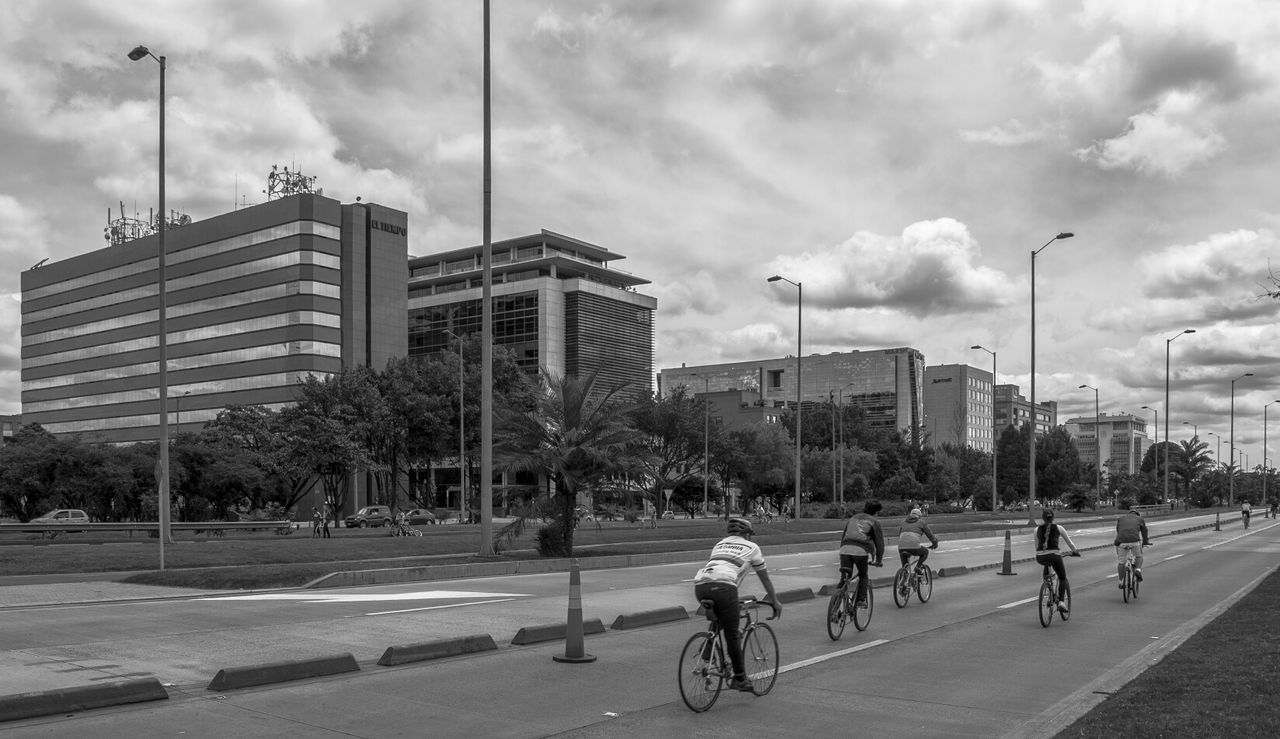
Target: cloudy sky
x,y
901,158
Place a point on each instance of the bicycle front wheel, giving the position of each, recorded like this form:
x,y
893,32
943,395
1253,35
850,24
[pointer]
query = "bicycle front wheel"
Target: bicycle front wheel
x,y
837,615
1133,580
924,588
1126,585
701,672
760,655
901,588
862,612
1047,606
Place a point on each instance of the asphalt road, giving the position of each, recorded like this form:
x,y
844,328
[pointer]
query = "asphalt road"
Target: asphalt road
x,y
972,662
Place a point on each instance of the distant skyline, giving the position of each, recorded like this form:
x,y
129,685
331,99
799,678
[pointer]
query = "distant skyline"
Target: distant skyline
x,y
901,158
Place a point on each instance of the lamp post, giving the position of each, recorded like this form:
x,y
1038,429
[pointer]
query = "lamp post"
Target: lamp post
x,y
799,347
1217,456
162,464
1097,437
706,440
840,404
1156,426
178,421
1264,451
1231,480
1031,466
1167,342
462,428
1195,430
994,495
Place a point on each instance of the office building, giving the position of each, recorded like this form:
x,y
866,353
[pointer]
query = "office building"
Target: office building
x,y
255,300
885,383
1122,438
958,406
1012,409
557,304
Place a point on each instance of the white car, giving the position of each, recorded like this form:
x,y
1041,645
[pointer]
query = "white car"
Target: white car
x,y
63,515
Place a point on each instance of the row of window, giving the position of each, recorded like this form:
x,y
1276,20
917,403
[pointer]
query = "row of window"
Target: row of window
x,y
128,422
223,385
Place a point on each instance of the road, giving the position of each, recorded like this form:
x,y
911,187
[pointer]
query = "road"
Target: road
x,y
972,662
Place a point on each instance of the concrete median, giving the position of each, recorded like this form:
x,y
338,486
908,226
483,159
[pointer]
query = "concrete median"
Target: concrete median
x,y
399,655
81,698
649,618
235,678
553,632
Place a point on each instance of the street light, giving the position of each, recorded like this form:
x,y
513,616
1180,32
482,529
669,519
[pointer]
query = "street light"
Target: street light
x,y
1217,456
840,402
994,495
1264,451
1195,430
706,440
1097,436
462,429
1155,425
162,464
1167,342
178,422
799,347
486,319
1031,467
1231,481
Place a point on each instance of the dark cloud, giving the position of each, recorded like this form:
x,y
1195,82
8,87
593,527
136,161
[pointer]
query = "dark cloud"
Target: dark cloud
x,y
1189,64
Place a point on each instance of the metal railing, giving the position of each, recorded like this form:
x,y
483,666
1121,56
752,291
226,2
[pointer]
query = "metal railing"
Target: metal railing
x,y
216,528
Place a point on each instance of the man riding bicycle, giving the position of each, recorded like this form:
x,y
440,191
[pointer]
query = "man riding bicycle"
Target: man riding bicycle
x,y
1246,511
862,539
911,536
1131,534
1050,536
718,582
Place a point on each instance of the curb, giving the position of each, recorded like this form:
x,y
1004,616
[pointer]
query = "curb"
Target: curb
x,y
797,594
552,632
649,618
234,678
68,700
399,655
953,571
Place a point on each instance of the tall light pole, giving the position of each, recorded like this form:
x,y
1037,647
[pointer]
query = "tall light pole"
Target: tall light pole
x,y
1031,466
994,495
706,440
840,404
799,355
1231,480
1097,436
1167,342
1264,451
1155,425
177,425
1217,456
162,464
486,326
1195,430
462,428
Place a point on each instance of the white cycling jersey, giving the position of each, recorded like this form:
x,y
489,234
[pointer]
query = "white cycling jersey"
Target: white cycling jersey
x,y
731,557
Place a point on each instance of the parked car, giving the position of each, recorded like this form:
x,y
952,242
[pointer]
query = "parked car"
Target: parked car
x,y
63,515
419,516
370,515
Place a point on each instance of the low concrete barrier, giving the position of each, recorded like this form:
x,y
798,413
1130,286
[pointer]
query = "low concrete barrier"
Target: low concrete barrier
x,y
234,678
399,655
553,632
953,571
82,698
649,618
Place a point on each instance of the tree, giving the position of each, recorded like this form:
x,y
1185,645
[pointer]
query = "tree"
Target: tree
x,y
1189,461
1014,458
672,429
1057,463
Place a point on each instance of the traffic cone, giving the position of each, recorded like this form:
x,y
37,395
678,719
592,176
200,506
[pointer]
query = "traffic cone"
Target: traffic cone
x,y
574,649
1008,556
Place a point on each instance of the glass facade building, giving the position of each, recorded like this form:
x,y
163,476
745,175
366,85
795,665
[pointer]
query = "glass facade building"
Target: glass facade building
x,y
958,406
1122,438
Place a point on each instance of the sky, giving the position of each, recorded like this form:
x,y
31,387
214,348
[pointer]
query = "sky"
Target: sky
x,y
902,159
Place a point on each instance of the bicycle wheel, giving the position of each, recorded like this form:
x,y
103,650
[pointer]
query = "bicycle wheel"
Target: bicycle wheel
x,y
760,657
701,672
1126,581
1134,582
1047,605
862,613
837,614
901,588
924,588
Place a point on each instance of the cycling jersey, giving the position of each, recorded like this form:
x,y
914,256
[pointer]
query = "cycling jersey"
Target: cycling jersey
x,y
1130,528
730,559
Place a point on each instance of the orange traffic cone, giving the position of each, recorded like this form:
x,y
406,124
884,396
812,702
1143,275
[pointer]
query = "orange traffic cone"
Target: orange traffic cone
x,y
1008,556
574,649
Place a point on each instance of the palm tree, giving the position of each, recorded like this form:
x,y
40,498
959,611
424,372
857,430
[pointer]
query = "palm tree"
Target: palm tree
x,y
574,435
1191,460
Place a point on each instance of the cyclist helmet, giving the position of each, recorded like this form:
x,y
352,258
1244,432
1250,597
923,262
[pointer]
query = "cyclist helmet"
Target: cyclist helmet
x,y
1047,514
739,526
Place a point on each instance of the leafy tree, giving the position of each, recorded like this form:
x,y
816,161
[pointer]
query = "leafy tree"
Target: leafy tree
x,y
326,431
1057,463
1080,496
673,441
28,472
1014,457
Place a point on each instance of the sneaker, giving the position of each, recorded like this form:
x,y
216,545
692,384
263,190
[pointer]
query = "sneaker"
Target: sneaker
x,y
741,683
1062,607
862,603
1137,573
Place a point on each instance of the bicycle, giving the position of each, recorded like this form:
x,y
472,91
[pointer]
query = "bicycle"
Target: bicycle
x,y
404,529
1245,517
841,609
705,666
1049,597
1129,583
914,576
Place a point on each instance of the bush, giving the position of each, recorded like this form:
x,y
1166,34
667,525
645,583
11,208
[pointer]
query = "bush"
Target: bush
x,y
551,541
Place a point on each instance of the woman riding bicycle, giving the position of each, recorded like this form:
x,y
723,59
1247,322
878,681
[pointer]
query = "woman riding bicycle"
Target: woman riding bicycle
x,y
911,536
1049,536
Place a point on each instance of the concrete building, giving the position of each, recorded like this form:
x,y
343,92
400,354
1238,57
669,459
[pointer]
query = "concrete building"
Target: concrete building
x,y
255,299
1014,410
1122,438
9,426
958,406
886,383
557,304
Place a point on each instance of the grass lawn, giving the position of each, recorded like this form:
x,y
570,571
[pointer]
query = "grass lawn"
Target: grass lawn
x,y
1219,682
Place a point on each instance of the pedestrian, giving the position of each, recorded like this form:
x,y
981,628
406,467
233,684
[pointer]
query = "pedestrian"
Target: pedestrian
x,y
317,522
324,522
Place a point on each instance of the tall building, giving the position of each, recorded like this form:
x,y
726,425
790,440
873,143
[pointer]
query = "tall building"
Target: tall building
x,y
1012,409
255,300
958,406
886,383
557,304
1122,438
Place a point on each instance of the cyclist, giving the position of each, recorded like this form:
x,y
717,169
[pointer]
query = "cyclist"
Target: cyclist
x,y
718,582
1049,536
1246,510
1131,533
911,536
862,539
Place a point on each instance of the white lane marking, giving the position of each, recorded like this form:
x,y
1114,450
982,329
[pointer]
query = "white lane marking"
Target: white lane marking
x,y
1019,602
1166,559
315,597
833,655
436,608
